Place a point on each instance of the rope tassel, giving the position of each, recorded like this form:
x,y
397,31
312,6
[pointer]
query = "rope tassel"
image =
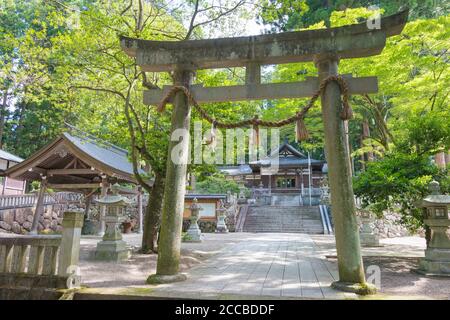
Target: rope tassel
x,y
256,135
255,131
301,131
212,135
347,112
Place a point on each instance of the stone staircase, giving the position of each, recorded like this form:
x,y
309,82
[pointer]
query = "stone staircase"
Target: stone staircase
x,y
289,219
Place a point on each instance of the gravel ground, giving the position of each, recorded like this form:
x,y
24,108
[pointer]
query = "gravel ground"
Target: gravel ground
x,y
396,258
397,279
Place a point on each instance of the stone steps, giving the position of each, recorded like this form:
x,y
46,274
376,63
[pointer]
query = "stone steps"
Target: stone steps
x,y
291,219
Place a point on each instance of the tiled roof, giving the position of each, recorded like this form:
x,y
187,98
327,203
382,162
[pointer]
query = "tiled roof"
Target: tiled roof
x,y
106,153
9,156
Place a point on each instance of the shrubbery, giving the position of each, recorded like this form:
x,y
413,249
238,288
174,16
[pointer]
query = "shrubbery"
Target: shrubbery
x,y
398,182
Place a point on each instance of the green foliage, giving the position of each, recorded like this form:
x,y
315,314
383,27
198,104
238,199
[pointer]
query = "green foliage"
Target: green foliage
x,y
397,182
287,15
216,183
31,113
185,237
410,111
283,14
427,133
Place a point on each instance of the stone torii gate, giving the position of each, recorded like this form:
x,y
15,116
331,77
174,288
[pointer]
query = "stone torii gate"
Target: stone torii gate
x,y
325,47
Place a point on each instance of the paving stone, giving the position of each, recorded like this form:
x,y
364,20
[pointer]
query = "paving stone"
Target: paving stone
x,y
281,266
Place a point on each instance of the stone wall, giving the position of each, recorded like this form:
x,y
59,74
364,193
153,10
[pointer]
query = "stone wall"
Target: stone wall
x,y
390,227
19,220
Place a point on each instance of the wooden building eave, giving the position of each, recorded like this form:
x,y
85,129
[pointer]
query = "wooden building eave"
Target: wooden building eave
x,y
34,163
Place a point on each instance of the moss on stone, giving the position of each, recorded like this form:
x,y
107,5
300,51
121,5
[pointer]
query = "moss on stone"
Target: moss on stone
x,y
358,288
160,279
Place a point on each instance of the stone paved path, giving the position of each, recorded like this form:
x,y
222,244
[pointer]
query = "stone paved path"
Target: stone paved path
x,y
266,265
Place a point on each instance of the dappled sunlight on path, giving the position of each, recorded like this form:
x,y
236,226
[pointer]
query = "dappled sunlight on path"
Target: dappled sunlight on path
x,y
264,265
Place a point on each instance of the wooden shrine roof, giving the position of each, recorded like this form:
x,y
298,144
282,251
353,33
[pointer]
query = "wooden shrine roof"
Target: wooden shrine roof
x,y
286,156
78,160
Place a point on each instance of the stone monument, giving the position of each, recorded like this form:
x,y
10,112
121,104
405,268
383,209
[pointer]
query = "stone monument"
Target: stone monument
x,y
112,247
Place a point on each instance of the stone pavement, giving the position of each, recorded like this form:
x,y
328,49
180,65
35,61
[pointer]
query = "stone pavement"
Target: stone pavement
x,y
255,265
264,266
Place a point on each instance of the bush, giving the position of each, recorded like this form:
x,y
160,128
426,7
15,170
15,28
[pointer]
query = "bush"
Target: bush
x,y
217,184
205,226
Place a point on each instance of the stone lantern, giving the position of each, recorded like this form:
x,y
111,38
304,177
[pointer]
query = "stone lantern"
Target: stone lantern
x,y
367,235
112,247
437,218
221,225
324,192
194,232
242,198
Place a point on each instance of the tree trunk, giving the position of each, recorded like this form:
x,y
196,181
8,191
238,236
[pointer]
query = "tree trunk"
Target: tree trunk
x,y
2,116
366,135
363,156
439,159
152,218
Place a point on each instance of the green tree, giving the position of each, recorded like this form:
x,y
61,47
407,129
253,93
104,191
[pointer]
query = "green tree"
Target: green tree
x,y
403,125
95,72
217,183
288,15
398,182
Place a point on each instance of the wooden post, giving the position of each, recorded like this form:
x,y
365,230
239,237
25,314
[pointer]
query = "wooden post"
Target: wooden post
x,y
39,208
87,206
350,264
102,215
175,188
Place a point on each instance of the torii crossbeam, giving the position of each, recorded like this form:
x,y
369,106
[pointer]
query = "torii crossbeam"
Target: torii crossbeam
x,y
325,47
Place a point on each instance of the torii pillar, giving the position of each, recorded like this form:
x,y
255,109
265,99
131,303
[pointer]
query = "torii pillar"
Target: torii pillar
x,y
173,202
350,264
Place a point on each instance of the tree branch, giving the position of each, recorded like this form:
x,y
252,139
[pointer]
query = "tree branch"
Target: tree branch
x,y
120,94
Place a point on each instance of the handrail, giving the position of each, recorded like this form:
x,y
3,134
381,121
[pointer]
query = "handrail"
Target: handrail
x,y
324,210
241,218
322,218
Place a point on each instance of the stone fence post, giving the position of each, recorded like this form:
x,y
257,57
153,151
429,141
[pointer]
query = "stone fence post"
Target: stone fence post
x,y
70,242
